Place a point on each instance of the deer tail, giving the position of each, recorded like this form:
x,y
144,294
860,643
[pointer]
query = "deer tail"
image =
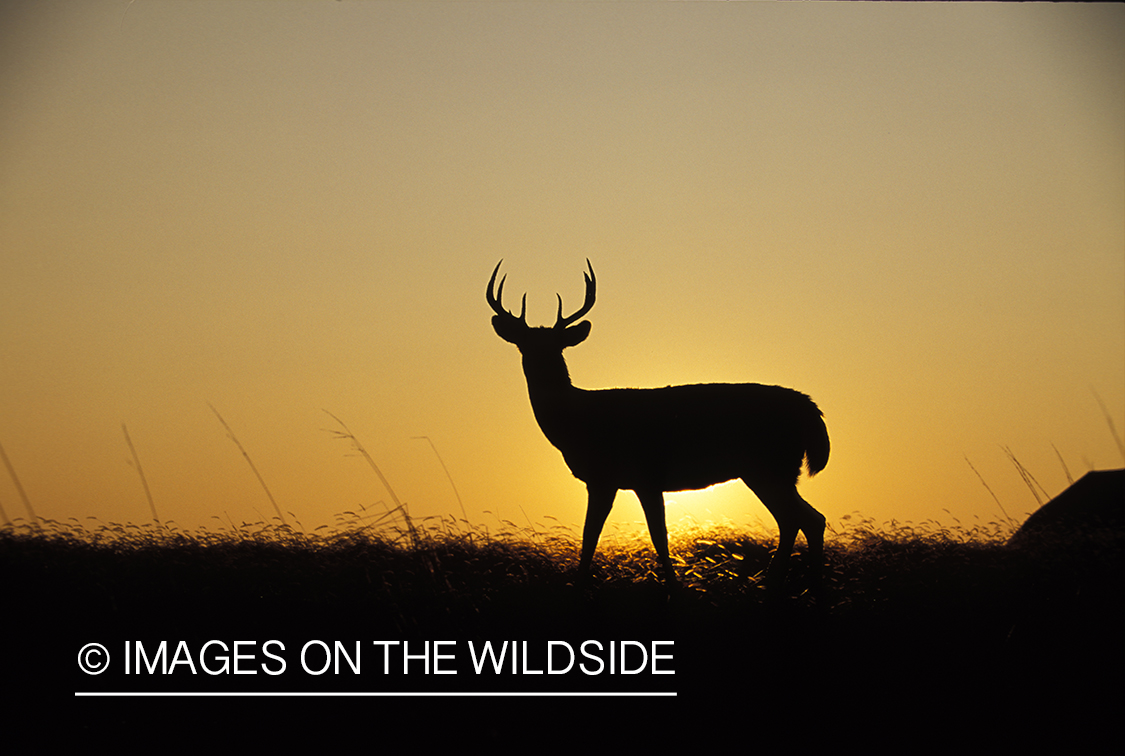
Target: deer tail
x,y
816,440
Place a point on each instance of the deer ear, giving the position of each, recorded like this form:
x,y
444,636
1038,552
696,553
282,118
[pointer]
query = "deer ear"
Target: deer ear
x,y
508,328
576,334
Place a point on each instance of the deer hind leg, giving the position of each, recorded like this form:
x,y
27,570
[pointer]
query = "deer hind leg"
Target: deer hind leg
x,y
652,501
793,514
812,525
599,504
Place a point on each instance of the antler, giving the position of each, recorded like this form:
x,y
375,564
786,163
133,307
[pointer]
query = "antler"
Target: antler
x,y
495,301
591,289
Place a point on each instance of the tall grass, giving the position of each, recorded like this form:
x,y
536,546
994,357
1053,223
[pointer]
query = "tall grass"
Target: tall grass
x,y
717,560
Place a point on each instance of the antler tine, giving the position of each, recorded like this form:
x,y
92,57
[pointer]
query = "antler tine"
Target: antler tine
x,y
591,293
495,301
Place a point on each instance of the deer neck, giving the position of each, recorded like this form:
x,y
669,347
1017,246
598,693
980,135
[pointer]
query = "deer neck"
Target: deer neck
x,y
551,393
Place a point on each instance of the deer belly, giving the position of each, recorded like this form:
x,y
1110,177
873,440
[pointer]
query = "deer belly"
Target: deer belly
x,y
650,469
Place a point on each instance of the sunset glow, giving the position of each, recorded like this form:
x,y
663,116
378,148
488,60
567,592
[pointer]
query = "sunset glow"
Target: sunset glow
x,y
913,213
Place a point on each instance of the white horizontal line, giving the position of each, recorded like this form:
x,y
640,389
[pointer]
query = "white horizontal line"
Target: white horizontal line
x,y
382,694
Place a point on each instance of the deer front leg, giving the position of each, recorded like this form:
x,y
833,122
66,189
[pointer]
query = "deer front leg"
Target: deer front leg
x,y
652,502
597,509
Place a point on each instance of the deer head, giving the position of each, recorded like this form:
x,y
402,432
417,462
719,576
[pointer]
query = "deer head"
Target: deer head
x,y
542,339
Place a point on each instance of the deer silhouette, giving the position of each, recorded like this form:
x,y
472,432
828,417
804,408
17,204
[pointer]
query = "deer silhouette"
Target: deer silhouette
x,y
675,438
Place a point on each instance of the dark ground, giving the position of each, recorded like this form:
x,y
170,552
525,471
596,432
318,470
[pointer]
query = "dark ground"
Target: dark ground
x,y
915,639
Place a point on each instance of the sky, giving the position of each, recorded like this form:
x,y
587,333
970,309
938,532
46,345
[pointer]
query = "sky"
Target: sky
x,y
273,211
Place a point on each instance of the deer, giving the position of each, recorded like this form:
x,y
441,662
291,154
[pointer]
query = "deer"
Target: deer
x,y
657,440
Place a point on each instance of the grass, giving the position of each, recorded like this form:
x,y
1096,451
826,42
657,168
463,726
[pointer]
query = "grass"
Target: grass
x,y
443,577
915,620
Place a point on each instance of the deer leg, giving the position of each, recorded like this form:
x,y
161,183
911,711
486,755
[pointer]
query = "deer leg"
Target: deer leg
x,y
779,564
812,525
597,509
782,502
653,504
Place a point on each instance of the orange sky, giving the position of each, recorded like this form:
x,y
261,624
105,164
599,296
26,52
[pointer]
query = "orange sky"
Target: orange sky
x,y
914,213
